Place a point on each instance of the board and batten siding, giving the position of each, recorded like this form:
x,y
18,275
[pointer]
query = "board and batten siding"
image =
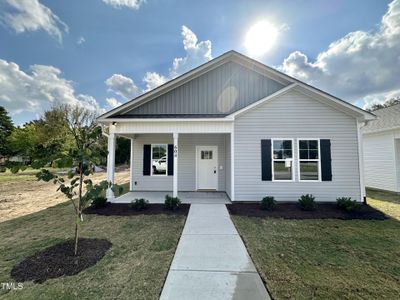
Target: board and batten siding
x,y
186,161
293,116
223,90
380,161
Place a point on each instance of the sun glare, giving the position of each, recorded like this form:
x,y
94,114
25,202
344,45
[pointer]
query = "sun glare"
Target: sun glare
x,y
260,38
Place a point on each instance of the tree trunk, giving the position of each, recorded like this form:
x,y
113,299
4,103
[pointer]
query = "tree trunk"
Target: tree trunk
x,y
76,238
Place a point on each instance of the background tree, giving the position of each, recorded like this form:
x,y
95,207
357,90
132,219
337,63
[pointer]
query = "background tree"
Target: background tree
x,y
388,103
122,151
23,140
87,152
6,127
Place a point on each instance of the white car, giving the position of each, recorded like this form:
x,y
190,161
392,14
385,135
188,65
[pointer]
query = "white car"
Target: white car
x,y
160,165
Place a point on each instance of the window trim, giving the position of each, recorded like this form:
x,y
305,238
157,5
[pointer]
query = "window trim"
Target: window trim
x,y
317,160
151,160
272,160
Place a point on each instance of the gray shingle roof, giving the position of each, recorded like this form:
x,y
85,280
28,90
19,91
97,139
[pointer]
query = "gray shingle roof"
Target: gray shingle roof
x,y
387,118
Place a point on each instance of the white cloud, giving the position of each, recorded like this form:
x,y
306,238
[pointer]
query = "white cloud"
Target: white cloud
x,y
38,90
357,66
132,4
196,54
112,102
30,15
153,80
122,86
80,40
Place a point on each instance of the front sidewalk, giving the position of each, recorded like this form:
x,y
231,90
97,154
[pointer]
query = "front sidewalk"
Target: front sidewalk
x,y
211,261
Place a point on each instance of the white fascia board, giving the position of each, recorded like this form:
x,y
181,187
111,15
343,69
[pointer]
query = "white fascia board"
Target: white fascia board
x,y
152,120
263,100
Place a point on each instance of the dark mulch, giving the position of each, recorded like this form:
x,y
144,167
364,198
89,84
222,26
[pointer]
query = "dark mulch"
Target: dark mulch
x,y
59,260
123,209
293,211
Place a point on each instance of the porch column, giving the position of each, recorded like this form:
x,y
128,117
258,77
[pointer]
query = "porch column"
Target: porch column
x,y
111,164
131,165
232,164
175,176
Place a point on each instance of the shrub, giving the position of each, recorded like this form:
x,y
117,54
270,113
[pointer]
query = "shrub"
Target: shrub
x,y
171,203
347,204
99,202
307,202
268,203
139,204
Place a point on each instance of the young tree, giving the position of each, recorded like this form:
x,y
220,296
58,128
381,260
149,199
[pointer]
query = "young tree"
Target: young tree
x,y
6,127
87,152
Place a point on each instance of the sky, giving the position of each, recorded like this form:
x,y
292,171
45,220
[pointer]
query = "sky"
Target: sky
x,y
102,53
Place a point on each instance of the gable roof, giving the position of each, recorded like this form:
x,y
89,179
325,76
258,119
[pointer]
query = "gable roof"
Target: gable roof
x,y
387,118
243,60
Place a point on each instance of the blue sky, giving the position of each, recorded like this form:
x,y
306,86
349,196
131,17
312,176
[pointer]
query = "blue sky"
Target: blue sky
x,y
89,51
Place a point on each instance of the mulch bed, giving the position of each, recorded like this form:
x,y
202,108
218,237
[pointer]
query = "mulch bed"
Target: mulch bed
x,y
293,211
123,209
59,260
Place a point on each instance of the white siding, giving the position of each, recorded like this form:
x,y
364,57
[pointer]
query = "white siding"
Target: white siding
x,y
295,115
379,161
397,144
186,161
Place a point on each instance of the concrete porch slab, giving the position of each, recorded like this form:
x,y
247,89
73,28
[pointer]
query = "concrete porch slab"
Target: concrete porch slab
x,y
186,197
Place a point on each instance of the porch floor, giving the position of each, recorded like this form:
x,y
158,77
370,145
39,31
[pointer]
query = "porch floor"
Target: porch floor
x,y
185,197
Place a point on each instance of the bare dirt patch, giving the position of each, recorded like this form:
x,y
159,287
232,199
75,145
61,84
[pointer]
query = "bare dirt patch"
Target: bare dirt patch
x,y
59,260
293,211
25,196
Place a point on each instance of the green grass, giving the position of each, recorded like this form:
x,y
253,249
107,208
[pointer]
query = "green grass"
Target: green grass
x,y
327,259
28,174
134,268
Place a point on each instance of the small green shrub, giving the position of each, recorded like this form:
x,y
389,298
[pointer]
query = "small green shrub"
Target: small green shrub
x,y
268,203
307,202
172,203
99,202
347,204
139,204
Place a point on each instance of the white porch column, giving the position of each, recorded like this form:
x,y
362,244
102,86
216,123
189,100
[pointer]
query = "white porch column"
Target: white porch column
x,y
111,164
232,164
131,165
175,176
361,159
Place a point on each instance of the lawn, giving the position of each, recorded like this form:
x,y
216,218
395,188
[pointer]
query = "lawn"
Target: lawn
x,y
328,259
134,268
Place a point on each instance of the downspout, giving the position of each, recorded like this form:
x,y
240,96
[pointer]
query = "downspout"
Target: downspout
x,y
361,158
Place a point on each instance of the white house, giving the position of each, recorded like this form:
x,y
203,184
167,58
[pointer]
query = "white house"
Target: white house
x,y
237,126
382,150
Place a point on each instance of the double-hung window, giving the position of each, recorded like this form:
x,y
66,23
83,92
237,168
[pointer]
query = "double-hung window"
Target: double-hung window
x,y
309,160
282,160
159,161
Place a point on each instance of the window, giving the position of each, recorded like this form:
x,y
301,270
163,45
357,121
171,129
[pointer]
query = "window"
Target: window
x,y
159,161
282,160
309,160
206,154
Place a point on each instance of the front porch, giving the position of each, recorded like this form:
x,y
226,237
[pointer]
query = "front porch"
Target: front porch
x,y
190,160
185,197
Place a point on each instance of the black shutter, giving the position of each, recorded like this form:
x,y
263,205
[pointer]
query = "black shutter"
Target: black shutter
x,y
170,159
146,160
326,161
266,160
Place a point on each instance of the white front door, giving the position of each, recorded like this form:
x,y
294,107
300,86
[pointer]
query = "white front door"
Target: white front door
x,y
207,167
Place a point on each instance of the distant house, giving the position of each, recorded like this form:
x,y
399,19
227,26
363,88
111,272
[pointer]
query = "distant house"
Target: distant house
x,y
382,150
237,126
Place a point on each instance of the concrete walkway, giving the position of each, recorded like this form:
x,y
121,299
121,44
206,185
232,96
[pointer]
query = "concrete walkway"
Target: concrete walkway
x,y
211,261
